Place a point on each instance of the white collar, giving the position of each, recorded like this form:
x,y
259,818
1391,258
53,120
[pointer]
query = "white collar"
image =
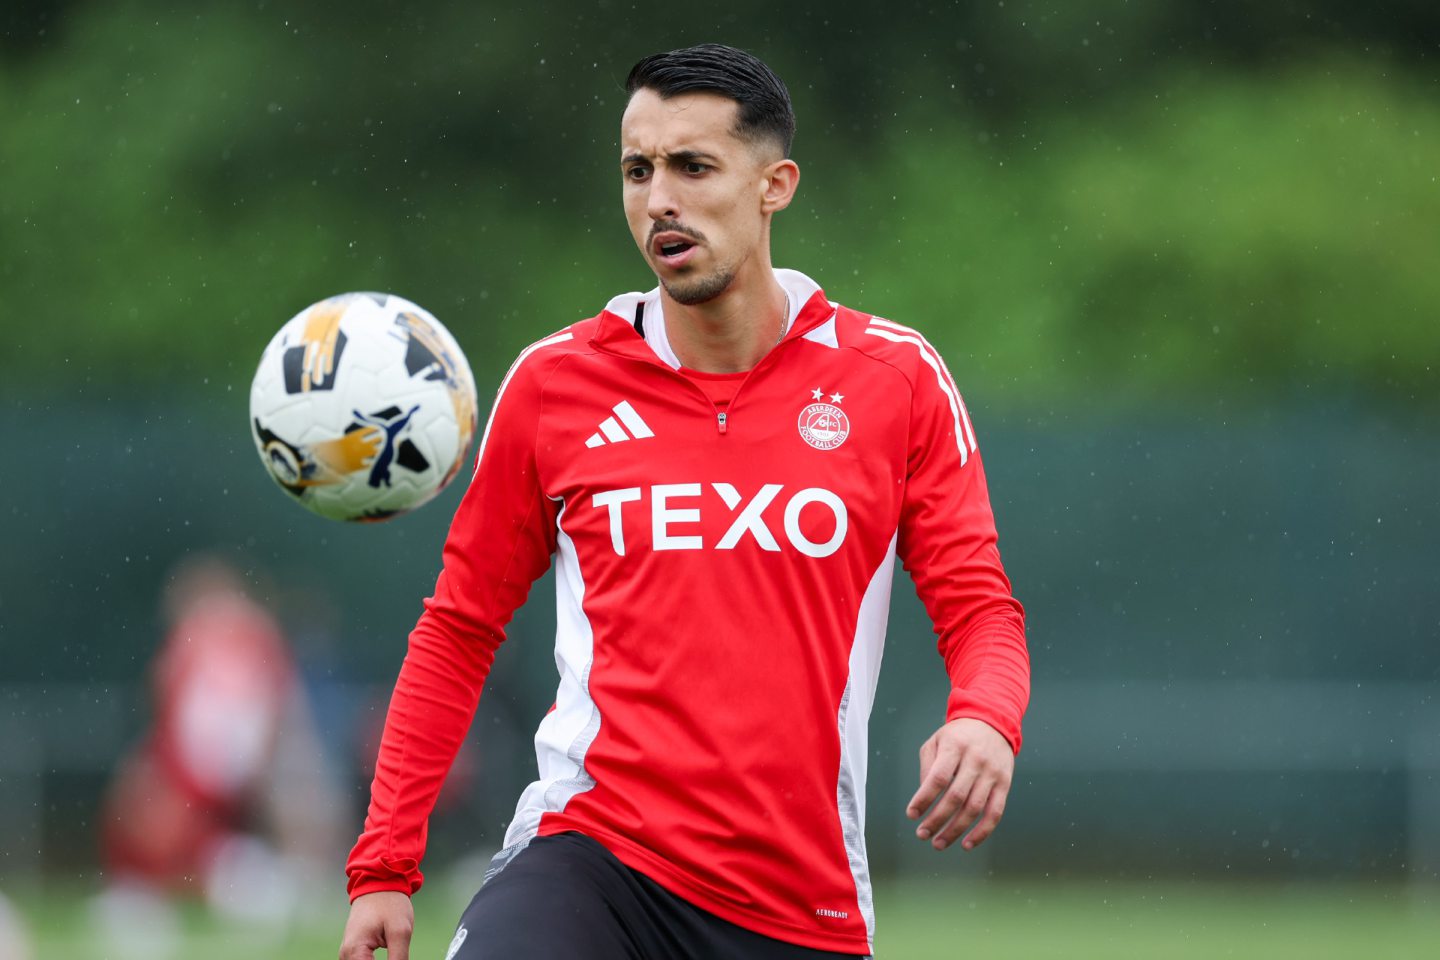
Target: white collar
x,y
798,289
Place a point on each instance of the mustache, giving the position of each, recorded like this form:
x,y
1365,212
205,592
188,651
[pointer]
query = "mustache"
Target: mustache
x,y
673,226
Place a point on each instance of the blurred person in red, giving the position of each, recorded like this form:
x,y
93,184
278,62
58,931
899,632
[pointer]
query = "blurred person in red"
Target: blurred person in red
x,y
228,792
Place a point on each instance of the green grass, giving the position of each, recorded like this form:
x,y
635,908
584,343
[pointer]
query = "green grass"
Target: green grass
x,y
1034,919
1161,919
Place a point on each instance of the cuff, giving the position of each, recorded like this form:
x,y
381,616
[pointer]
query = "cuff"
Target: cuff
x,y
964,704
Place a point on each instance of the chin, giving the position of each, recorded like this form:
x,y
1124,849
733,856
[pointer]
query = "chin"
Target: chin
x,y
692,290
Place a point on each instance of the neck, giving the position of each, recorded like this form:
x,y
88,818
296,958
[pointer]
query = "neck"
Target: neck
x,y
732,332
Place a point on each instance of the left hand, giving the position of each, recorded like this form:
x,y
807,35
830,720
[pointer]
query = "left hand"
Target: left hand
x,y
968,766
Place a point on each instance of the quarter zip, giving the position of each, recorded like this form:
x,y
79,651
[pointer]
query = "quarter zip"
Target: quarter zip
x,y
638,351
722,417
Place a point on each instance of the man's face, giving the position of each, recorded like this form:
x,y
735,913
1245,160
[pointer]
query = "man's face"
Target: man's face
x,y
694,191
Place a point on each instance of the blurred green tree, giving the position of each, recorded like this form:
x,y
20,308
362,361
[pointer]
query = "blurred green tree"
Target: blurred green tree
x,y
1166,200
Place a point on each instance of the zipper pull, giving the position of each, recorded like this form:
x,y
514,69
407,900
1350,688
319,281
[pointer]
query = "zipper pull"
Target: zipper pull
x,y
720,419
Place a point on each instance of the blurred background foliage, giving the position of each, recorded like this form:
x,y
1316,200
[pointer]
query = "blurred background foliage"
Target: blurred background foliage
x,y
1109,202
1181,257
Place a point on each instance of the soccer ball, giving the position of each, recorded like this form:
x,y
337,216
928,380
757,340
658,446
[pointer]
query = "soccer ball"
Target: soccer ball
x,y
363,407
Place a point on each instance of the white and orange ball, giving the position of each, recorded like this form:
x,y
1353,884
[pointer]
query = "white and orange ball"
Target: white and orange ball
x,y
363,407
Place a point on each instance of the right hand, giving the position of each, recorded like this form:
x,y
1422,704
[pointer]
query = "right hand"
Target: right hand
x,y
384,919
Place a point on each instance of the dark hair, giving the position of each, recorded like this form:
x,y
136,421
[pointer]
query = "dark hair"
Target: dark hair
x,y
765,110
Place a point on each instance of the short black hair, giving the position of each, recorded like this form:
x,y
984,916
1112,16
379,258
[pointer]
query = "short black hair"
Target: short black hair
x,y
765,109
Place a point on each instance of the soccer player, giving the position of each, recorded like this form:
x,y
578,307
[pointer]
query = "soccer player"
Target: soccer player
x,y
723,470
229,783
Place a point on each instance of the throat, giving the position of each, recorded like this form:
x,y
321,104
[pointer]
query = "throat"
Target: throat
x,y
720,337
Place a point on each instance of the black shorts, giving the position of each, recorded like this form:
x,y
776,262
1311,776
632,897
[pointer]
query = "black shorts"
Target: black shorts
x,y
568,897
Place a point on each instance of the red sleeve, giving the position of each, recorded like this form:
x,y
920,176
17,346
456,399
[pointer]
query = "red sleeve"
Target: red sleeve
x,y
499,543
948,545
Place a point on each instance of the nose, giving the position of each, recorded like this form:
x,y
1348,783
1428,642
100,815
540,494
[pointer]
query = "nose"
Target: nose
x,y
661,202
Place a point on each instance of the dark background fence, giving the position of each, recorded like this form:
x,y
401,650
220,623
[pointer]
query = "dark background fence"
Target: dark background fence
x,y
1232,626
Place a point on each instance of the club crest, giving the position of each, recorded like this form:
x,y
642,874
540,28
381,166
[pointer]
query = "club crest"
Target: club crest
x,y
824,426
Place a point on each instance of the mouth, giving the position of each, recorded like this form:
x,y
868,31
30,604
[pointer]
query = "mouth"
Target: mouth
x,y
672,249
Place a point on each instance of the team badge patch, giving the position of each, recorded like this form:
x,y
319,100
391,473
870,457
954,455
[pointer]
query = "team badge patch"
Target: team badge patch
x,y
455,944
824,426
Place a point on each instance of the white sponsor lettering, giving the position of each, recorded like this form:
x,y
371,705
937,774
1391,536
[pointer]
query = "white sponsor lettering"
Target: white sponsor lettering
x,y
792,521
613,499
661,516
749,520
664,517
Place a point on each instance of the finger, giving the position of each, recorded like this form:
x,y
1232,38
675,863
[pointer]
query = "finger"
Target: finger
x,y
951,801
936,772
968,812
927,752
994,810
350,950
927,760
397,941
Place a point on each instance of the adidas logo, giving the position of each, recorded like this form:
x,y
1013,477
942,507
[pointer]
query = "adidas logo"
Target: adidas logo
x,y
613,431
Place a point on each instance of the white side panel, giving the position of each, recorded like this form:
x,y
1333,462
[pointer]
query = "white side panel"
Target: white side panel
x,y
854,727
567,731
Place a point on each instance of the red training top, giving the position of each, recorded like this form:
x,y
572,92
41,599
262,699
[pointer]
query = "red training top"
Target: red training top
x,y
722,586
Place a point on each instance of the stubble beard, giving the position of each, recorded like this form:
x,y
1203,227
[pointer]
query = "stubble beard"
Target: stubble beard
x,y
699,289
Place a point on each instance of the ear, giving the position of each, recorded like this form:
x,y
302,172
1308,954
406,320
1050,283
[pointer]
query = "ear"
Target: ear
x,y
781,179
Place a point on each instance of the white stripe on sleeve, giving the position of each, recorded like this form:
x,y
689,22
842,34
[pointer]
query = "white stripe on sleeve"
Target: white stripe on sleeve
x,y
963,436
499,394
927,345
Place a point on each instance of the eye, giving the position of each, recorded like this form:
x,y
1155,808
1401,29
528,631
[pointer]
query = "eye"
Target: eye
x,y
695,167
637,173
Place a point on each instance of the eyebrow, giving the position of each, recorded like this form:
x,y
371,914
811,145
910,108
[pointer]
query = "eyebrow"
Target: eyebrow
x,y
679,156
